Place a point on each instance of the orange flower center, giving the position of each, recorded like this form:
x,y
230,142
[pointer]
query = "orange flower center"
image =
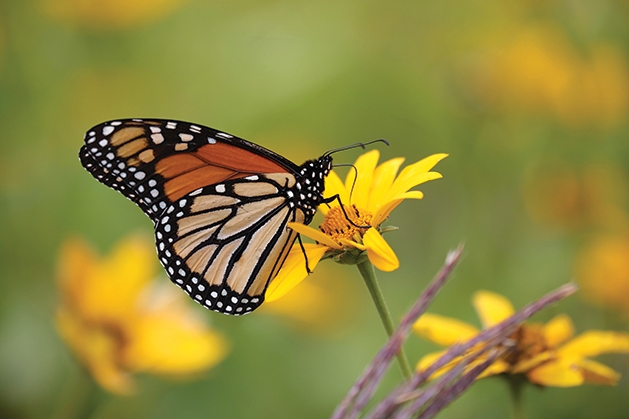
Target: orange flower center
x,y
530,341
337,225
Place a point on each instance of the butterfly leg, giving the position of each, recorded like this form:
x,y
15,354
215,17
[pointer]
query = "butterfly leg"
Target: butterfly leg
x,y
337,198
303,250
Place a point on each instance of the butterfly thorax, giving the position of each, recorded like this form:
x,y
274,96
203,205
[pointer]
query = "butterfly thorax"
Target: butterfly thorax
x,y
310,184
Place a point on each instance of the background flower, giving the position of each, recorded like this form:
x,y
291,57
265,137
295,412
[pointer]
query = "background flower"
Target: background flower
x,y
118,320
546,354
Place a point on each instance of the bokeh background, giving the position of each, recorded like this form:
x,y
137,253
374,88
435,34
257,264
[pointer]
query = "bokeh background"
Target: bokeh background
x,y
530,99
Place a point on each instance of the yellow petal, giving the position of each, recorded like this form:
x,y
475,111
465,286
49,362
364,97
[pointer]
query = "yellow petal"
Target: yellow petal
x,y
385,208
498,367
365,166
315,235
492,308
556,374
597,373
383,178
325,306
383,212
294,269
595,342
415,174
428,359
334,186
558,330
171,339
76,262
528,364
348,244
442,330
97,349
379,251
110,291
404,185
422,166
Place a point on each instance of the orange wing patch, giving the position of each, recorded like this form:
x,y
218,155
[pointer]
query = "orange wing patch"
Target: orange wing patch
x,y
210,164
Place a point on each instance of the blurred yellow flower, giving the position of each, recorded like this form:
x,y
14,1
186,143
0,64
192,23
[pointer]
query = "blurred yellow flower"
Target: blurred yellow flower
x,y
538,70
602,268
326,306
109,14
369,194
541,352
117,320
560,196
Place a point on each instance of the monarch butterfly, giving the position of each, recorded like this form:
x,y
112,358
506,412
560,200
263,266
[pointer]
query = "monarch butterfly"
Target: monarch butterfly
x,y
219,203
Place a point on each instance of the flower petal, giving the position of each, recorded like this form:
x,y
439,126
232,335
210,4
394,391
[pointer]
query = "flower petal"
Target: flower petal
x,y
442,330
379,251
315,235
334,186
492,308
556,374
294,269
558,330
595,342
530,363
415,174
97,349
349,244
498,367
169,338
365,166
108,290
428,359
422,166
383,212
383,178
385,209
597,373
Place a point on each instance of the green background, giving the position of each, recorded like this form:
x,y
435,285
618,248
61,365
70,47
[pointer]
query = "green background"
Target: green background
x,y
301,78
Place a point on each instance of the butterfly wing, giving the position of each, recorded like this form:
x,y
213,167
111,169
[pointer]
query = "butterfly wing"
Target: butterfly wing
x,y
219,204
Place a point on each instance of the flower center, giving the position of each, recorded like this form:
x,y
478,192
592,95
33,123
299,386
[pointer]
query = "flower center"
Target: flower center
x,y
337,226
530,341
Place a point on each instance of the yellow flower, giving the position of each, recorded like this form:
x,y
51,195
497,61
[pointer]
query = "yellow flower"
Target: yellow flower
x,y
602,268
536,69
561,196
118,321
326,306
369,194
542,352
108,14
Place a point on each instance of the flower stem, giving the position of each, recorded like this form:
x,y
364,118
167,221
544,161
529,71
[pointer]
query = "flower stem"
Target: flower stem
x,y
78,399
369,276
516,385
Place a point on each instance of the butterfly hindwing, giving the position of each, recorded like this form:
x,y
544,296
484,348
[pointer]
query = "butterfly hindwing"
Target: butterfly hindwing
x,y
223,243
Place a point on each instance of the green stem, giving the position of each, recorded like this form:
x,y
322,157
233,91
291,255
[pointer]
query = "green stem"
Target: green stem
x,y
78,398
369,276
516,385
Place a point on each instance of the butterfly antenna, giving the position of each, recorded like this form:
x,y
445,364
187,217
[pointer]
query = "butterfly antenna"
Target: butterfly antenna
x,y
349,147
351,191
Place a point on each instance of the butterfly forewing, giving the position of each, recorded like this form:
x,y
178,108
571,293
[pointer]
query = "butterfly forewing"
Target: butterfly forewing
x,y
220,204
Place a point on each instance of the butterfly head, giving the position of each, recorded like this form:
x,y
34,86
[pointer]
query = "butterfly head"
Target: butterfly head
x,y
311,183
